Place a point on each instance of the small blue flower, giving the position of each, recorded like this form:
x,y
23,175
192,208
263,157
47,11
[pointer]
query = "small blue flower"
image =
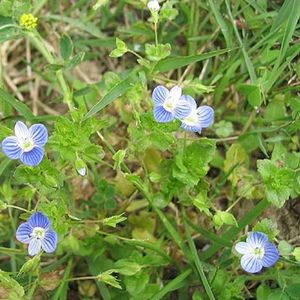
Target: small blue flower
x,y
27,145
169,105
201,117
257,252
37,232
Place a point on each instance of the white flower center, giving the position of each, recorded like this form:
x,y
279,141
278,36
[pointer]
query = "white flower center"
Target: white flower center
x,y
191,119
169,104
26,144
38,233
258,252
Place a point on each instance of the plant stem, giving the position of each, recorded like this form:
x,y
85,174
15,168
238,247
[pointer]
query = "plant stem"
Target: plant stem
x,y
155,32
39,43
17,207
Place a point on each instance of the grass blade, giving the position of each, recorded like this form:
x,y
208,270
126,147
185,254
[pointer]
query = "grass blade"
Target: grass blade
x,y
247,60
181,61
174,284
233,232
16,104
117,91
221,23
197,262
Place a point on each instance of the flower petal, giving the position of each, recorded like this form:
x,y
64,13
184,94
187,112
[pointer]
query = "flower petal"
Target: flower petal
x,y
11,148
271,255
23,233
161,115
38,219
242,248
256,239
34,247
251,264
205,116
183,108
159,95
175,93
21,130
39,134
33,157
50,241
193,128
190,100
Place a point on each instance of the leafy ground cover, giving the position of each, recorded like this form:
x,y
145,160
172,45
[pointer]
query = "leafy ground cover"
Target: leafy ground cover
x,y
112,189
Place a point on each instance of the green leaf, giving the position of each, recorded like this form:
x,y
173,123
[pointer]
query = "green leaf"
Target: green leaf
x,y
137,283
16,104
224,217
114,220
296,253
76,60
116,91
285,248
224,128
109,279
10,289
181,61
156,53
278,181
252,94
235,162
174,284
31,265
293,291
189,166
267,226
127,267
118,157
65,46
120,50
167,11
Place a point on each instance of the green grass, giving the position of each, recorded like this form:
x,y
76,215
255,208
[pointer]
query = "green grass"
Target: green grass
x,y
241,58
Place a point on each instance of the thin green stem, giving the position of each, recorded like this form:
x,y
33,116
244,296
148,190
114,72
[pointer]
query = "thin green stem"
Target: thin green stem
x,y
82,278
155,32
39,44
17,207
13,262
197,261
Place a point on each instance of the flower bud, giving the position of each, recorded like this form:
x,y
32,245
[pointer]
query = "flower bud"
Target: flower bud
x,y
81,167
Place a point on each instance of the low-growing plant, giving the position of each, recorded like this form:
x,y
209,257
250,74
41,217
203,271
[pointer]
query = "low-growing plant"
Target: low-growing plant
x,y
149,149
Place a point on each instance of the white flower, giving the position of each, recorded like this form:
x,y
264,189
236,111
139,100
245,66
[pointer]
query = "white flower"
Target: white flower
x,y
153,5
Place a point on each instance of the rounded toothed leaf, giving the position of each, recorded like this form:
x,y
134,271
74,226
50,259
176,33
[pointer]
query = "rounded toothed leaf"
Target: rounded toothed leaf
x,y
11,148
39,134
33,157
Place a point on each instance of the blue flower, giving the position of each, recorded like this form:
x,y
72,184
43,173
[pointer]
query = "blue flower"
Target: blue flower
x,y
37,232
169,105
257,252
27,144
201,117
